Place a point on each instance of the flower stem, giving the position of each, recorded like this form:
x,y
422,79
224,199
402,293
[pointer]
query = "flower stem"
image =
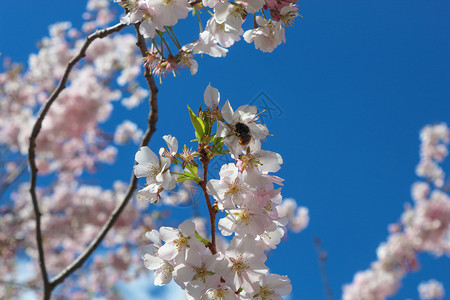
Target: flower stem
x,y
212,211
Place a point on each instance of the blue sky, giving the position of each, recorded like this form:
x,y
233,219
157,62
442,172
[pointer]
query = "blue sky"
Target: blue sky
x,y
351,89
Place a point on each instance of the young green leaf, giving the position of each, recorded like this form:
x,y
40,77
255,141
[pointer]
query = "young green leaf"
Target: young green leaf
x,y
202,239
198,125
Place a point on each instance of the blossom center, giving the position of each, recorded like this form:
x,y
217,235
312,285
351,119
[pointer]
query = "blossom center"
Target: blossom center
x,y
181,243
167,270
201,274
265,293
244,217
219,294
153,171
239,264
234,189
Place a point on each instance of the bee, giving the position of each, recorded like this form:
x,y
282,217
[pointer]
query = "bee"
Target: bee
x,y
243,133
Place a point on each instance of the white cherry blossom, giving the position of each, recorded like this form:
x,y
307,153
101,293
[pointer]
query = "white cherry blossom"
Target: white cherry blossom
x,y
197,273
226,24
206,44
230,189
271,287
172,144
170,11
267,36
220,292
246,117
155,170
177,241
243,264
163,268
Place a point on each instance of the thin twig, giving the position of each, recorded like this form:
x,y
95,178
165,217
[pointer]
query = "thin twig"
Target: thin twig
x,y
322,256
152,119
31,150
12,177
23,285
212,211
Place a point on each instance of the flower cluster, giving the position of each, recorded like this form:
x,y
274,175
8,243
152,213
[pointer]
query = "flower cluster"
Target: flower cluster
x,y
71,141
68,229
222,30
71,138
433,151
431,290
424,227
253,215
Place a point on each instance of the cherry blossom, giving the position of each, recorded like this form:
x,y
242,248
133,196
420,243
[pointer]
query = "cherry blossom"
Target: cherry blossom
x,y
226,24
156,171
73,141
431,290
127,131
424,227
244,118
206,44
267,36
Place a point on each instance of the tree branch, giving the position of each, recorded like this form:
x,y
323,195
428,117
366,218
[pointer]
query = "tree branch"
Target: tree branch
x,y
23,285
152,119
322,256
31,150
212,211
12,177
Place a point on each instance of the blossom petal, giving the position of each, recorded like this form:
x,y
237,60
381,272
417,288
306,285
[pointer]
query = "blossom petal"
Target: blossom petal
x,y
146,156
211,97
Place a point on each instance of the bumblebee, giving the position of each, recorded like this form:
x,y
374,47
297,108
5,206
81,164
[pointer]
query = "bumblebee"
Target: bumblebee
x,y
243,133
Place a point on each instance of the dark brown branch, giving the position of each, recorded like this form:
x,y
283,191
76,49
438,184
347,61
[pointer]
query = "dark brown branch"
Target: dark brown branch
x,y
31,150
152,119
212,211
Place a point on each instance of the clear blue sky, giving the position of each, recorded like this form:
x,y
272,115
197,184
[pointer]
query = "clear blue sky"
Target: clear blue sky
x,y
353,86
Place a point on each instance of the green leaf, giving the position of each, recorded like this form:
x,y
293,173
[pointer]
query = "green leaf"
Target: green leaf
x,y
207,125
218,143
191,175
184,178
202,239
193,169
198,125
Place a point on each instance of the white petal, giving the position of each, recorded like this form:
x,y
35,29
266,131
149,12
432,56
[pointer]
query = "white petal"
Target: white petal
x,y
222,129
227,112
168,251
162,277
153,236
194,258
150,192
184,273
193,66
221,12
172,143
146,156
166,180
187,228
271,161
168,233
141,171
226,225
152,262
211,97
